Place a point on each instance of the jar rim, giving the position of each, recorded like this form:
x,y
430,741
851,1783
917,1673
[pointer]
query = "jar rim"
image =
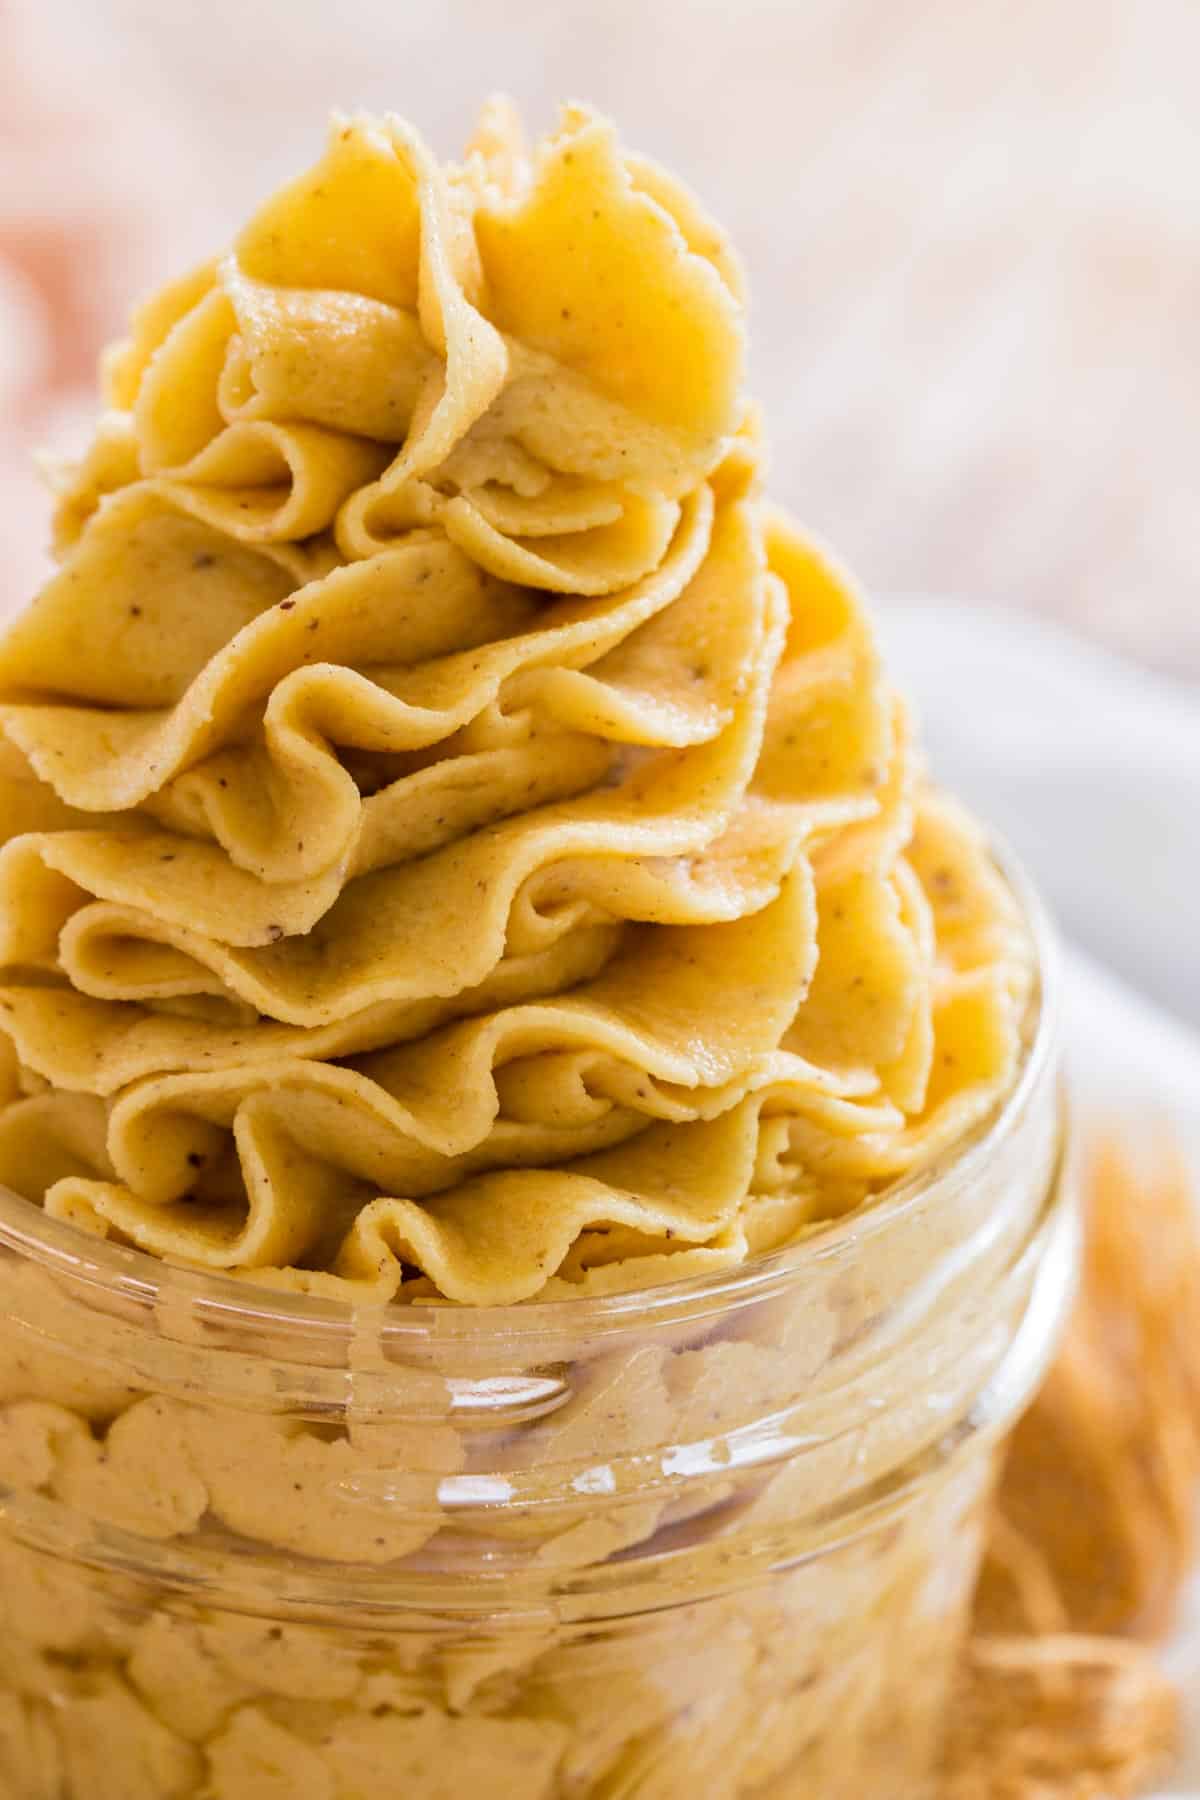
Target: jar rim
x,y
63,1248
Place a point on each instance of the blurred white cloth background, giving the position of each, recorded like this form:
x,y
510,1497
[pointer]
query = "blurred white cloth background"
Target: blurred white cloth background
x,y
1091,769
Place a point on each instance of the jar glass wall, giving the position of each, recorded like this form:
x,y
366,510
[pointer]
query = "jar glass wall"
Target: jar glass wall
x,y
716,1537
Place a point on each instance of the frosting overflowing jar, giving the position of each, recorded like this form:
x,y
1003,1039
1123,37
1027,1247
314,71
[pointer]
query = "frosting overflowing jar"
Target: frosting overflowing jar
x,y
530,1130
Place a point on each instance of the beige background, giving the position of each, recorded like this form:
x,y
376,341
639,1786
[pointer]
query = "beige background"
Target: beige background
x,y
972,228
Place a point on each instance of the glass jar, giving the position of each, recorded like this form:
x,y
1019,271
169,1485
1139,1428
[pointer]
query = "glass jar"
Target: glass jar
x,y
715,1538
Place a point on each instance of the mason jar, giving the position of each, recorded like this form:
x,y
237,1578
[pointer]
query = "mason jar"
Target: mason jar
x,y
715,1538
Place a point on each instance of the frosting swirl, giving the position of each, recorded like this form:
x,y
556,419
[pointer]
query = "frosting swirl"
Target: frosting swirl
x,y
459,840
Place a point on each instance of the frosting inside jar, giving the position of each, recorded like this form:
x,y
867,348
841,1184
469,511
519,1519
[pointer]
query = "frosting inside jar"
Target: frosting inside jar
x,y
459,839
